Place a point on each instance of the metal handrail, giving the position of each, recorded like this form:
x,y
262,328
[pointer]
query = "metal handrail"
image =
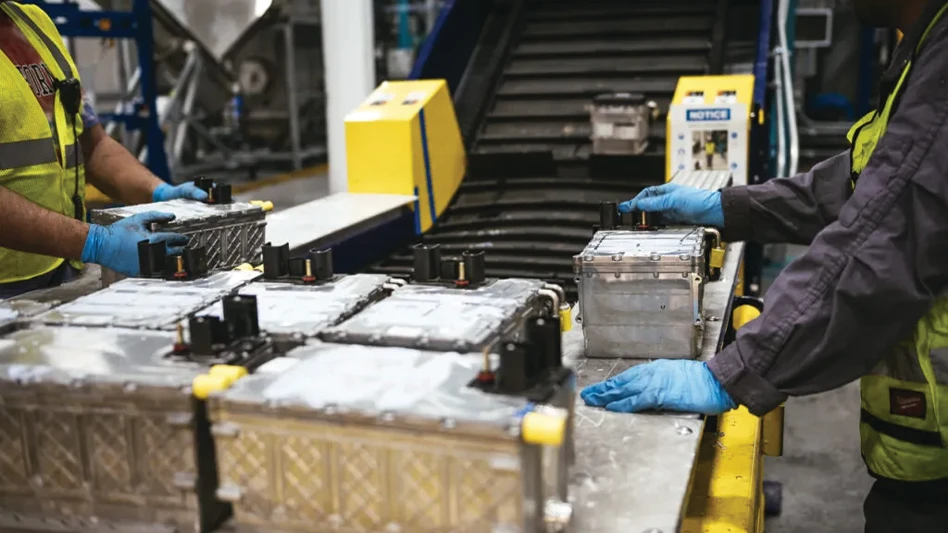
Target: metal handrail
x,y
779,104
788,95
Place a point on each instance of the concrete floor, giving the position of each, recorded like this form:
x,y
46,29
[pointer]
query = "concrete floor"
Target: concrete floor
x,y
824,479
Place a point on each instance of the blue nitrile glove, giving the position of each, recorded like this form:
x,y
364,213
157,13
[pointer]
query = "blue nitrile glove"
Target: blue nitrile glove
x,y
686,386
189,191
684,205
116,246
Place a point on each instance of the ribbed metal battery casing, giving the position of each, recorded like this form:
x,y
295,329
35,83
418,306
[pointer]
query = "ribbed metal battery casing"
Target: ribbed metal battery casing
x,y
232,234
640,293
374,440
709,180
99,432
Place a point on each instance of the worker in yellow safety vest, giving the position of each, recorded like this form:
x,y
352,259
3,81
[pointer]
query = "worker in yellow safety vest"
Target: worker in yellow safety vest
x,y
709,153
50,144
868,300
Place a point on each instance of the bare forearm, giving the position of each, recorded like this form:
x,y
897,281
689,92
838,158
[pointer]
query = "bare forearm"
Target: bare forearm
x,y
27,227
115,171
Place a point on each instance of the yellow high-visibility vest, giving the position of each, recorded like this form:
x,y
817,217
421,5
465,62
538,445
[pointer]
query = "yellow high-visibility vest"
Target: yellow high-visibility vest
x,y
904,419
29,165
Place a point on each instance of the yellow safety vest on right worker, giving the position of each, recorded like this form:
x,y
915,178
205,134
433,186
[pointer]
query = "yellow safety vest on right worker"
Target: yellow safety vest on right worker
x,y
29,165
904,418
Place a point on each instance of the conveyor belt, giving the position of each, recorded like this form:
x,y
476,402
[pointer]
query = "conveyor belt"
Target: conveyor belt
x,y
531,194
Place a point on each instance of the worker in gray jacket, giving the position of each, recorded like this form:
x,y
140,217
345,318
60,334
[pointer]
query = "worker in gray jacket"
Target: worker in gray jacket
x,y
868,299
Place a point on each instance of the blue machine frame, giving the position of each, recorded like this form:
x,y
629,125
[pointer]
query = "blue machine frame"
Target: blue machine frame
x,y
136,25
446,51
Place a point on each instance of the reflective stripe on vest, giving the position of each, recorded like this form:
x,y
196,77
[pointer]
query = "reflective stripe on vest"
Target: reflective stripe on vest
x,y
19,154
904,418
29,165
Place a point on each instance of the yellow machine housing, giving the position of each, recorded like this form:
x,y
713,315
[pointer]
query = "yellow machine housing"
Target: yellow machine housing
x,y
405,139
716,110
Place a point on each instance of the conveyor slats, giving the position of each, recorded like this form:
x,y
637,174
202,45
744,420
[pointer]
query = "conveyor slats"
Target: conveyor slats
x,y
533,188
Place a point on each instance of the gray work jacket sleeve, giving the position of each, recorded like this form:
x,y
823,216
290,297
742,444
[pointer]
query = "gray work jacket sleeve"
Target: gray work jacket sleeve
x,y
787,210
869,276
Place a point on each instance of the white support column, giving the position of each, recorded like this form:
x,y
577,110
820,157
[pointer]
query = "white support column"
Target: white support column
x,y
349,60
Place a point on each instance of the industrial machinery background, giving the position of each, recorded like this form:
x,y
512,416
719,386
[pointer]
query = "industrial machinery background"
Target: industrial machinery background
x,y
240,86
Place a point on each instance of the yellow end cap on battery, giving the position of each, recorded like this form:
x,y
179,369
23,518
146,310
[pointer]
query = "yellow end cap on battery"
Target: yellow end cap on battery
x,y
266,205
566,319
258,268
743,315
229,372
246,267
717,258
543,428
202,386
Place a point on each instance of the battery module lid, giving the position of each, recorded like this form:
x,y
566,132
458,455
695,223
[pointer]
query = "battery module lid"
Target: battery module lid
x,y
77,355
308,309
187,213
369,383
440,318
660,248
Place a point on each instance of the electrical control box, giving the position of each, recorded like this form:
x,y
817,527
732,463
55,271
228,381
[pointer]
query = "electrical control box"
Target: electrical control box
x,y
377,439
147,303
231,233
640,292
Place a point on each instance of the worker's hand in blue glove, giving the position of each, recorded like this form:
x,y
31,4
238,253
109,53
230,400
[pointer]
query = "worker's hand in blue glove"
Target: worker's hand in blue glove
x,y
116,246
686,386
677,203
188,191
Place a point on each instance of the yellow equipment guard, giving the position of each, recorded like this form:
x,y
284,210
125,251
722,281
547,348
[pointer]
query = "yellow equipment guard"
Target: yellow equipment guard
x,y
727,490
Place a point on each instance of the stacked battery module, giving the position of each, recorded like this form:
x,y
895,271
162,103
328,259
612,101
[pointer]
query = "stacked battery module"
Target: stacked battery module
x,y
641,281
288,398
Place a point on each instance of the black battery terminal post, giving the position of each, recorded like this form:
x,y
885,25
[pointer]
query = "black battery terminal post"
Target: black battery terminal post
x,y
217,193
611,219
431,268
315,267
154,261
